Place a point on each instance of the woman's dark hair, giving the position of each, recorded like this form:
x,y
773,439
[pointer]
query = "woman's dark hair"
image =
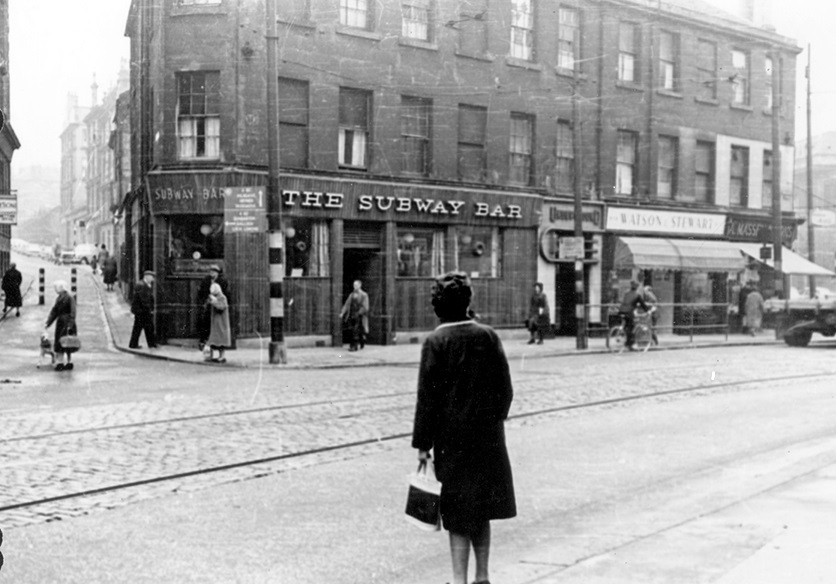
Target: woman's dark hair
x,y
451,294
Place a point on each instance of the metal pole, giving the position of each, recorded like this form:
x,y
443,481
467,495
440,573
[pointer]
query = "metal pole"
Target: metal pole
x,y
811,245
580,301
74,282
41,286
277,352
777,240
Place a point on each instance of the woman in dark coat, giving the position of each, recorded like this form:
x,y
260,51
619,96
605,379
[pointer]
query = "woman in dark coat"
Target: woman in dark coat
x,y
538,314
110,270
464,394
63,315
12,280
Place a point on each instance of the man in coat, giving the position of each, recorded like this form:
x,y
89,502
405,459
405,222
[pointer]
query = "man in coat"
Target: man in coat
x,y
11,287
355,313
142,308
629,303
538,314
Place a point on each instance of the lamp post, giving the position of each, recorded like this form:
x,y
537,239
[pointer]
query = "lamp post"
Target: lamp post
x,y
277,352
777,227
580,301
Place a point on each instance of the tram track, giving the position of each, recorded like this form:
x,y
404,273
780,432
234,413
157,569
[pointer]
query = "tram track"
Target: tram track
x,y
390,437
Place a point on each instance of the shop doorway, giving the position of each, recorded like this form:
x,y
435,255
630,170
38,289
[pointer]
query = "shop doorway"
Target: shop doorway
x,y
565,323
366,265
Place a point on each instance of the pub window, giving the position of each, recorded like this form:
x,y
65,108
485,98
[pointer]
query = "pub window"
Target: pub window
x,y
766,196
740,77
521,148
704,172
667,168
568,38
355,13
473,121
420,252
354,128
293,123
707,70
415,134
625,171
739,182
669,61
195,237
198,115
522,30
417,19
628,48
565,165
473,29
306,248
479,251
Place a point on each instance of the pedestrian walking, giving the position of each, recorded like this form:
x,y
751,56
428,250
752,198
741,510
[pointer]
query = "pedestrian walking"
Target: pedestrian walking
x,y
629,303
538,315
652,302
754,311
12,280
355,314
204,322
464,394
110,270
741,306
102,257
63,315
220,336
142,308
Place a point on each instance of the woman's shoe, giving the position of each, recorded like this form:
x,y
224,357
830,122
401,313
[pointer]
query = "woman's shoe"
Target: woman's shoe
x,y
222,360
531,342
59,367
68,366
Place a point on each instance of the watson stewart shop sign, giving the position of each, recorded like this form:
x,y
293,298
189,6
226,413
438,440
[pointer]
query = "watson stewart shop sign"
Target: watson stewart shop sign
x,y
659,221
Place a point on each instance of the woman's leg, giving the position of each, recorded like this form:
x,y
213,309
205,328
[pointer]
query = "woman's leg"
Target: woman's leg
x,y
481,541
459,552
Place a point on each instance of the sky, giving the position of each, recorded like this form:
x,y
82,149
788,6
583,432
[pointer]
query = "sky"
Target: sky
x,y
57,46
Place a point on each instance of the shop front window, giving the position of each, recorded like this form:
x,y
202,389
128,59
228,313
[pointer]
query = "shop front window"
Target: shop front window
x,y
420,252
306,248
193,239
479,251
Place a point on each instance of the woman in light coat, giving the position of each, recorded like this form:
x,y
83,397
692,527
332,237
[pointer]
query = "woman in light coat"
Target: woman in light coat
x,y
754,312
220,335
63,315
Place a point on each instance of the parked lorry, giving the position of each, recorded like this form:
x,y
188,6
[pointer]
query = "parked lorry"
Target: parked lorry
x,y
797,319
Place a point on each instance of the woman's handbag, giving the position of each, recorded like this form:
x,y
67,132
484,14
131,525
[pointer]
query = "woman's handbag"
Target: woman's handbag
x,y
70,343
423,501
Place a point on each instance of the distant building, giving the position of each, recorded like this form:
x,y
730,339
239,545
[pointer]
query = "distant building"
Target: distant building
x,y
74,210
425,136
8,140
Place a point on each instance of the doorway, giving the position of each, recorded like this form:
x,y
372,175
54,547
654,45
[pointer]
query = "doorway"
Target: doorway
x,y
366,265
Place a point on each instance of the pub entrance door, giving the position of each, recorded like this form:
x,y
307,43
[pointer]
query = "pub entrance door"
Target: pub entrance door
x,y
363,260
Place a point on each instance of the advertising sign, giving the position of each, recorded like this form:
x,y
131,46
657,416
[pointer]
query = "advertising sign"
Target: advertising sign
x,y
244,210
8,210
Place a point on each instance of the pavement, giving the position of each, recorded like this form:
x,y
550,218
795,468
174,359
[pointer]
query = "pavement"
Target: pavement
x,y
796,515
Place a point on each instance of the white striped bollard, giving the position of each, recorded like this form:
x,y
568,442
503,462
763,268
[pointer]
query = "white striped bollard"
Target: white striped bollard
x,y
74,283
41,286
276,352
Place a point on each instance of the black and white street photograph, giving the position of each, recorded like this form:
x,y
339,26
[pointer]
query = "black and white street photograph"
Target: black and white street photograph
x,y
417,292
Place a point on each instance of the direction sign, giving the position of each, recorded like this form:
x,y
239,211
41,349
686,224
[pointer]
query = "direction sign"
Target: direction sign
x,y
244,210
571,248
8,210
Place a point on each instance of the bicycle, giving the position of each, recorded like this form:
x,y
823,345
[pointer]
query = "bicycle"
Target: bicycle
x,y
642,333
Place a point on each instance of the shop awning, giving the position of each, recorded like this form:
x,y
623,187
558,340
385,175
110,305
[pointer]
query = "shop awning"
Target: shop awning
x,y
791,262
688,255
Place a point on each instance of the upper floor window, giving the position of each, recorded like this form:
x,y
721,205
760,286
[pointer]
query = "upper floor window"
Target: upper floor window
x,y
417,19
473,29
293,122
766,192
707,70
191,2
565,166
522,30
739,182
568,37
354,128
198,115
415,135
669,61
740,77
626,161
770,79
521,167
628,52
704,172
668,167
472,160
355,13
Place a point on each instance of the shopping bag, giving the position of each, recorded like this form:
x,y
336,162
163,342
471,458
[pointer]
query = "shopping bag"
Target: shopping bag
x,y
423,500
70,343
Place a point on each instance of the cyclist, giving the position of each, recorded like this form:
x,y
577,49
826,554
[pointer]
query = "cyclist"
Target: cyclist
x,y
631,300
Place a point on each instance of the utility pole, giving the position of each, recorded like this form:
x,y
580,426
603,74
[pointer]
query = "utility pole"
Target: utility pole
x,y
777,227
580,301
811,246
277,352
